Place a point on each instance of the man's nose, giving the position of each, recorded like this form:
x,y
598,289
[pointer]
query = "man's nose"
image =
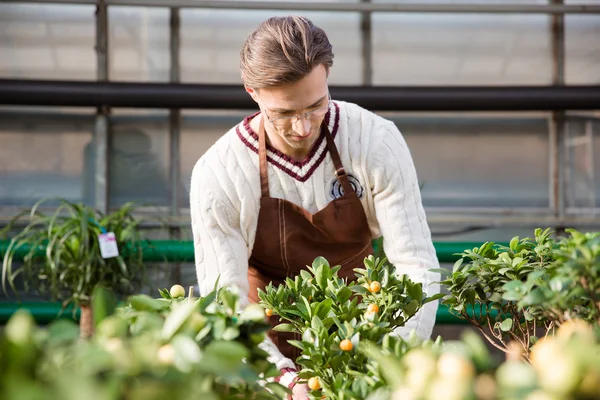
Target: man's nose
x,y
302,126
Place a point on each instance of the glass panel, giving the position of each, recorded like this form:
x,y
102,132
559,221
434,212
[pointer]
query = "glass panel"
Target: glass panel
x,y
461,49
199,132
139,159
582,174
211,41
474,161
47,41
139,43
42,157
582,49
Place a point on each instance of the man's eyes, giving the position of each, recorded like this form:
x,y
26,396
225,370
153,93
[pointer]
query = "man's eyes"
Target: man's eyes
x,y
291,113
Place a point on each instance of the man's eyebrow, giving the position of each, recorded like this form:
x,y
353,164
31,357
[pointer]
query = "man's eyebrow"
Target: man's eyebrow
x,y
285,111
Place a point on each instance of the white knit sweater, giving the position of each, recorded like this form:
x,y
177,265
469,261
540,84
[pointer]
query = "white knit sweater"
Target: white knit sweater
x,y
225,201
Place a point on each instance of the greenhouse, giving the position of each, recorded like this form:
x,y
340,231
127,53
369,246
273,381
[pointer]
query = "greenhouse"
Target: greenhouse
x,y
271,199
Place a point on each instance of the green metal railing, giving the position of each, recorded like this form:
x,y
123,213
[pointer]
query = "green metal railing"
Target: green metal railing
x,y
46,312
183,251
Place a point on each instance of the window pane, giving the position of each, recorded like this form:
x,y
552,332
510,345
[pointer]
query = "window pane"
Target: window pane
x,y
582,49
42,157
461,49
139,159
47,41
582,173
139,43
479,161
200,131
211,41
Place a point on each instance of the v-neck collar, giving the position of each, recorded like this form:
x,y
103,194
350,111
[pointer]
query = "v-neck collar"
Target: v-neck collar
x,y
299,170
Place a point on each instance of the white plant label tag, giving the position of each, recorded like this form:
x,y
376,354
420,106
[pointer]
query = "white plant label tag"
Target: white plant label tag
x,y
108,245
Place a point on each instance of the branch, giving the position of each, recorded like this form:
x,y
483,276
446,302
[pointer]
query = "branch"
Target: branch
x,y
497,337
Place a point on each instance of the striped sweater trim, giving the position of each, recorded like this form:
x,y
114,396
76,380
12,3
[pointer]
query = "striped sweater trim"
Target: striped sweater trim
x,y
299,170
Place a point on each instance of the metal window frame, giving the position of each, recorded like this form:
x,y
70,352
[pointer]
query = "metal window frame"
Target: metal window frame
x,y
555,8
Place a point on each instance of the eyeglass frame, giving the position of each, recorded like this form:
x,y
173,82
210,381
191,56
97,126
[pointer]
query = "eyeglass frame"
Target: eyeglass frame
x,y
298,116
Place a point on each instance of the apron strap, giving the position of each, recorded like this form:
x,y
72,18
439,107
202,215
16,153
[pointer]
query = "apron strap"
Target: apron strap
x,y
340,172
262,159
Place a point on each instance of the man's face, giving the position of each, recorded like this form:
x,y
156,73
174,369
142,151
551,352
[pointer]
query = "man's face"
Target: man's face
x,y
296,136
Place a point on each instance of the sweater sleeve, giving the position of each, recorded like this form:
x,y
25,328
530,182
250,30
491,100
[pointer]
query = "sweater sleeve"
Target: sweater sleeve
x,y
220,250
399,211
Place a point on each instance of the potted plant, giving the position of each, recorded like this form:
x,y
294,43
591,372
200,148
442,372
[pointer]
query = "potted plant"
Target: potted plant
x,y
335,319
517,294
74,250
149,348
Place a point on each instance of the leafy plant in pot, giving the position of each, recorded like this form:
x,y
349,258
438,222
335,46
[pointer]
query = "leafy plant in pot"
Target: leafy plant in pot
x,y
63,256
527,290
481,289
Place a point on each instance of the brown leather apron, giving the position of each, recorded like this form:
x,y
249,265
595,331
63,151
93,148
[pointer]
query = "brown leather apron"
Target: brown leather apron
x,y
288,238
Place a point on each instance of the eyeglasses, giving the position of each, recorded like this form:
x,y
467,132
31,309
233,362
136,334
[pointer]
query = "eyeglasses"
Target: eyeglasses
x,y
292,119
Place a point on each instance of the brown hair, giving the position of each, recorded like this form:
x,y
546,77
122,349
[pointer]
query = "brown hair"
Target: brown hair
x,y
283,50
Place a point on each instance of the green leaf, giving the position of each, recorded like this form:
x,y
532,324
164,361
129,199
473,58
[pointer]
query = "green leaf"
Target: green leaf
x,y
254,313
305,275
457,265
411,308
177,318
143,302
512,296
308,308
436,296
414,290
321,276
514,243
284,328
514,285
187,353
323,308
344,294
231,333
229,299
536,297
316,323
506,325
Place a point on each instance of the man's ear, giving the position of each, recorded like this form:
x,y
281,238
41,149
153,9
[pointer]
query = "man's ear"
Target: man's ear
x,y
252,93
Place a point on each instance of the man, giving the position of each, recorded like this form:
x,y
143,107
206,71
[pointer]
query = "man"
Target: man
x,y
306,176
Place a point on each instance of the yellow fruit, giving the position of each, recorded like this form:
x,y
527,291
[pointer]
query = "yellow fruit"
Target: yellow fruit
x,y
113,345
177,291
543,352
420,360
373,308
375,287
562,375
540,395
113,326
575,327
166,354
455,367
447,389
403,393
485,387
346,345
269,312
515,375
590,385
314,384
196,322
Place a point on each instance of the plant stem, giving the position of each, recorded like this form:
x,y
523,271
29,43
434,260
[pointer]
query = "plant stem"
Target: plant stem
x,y
86,322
